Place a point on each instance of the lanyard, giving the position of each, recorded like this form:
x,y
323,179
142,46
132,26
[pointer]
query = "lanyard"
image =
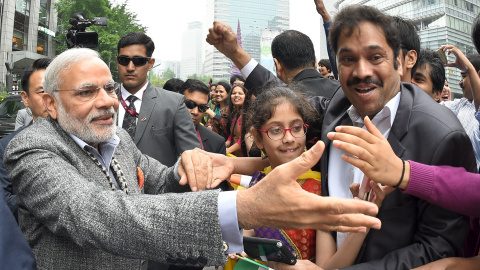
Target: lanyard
x,y
128,109
200,139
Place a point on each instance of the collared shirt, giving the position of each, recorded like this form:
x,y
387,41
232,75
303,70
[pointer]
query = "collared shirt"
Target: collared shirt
x,y
227,201
342,174
138,103
465,112
106,148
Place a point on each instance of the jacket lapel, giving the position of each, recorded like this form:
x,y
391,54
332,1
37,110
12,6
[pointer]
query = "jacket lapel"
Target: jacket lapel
x,y
149,102
402,122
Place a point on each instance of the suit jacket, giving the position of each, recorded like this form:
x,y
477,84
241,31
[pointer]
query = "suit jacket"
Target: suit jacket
x,y
414,232
311,81
9,193
212,142
14,250
73,220
168,129
24,118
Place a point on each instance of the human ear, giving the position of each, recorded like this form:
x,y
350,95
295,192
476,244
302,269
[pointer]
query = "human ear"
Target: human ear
x,y
151,62
50,104
24,97
411,59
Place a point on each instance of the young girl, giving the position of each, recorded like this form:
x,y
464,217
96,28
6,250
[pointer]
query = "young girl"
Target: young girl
x,y
280,118
218,120
235,119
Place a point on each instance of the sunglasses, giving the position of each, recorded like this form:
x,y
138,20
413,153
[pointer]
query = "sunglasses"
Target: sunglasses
x,y
192,105
138,61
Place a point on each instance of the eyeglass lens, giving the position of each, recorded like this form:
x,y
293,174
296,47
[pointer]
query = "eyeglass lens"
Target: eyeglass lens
x,y
137,60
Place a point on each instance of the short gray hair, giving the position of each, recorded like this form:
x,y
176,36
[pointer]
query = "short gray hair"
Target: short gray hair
x,y
62,63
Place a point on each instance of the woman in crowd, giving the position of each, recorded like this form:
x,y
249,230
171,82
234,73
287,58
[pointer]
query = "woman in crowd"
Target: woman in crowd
x,y
218,116
235,118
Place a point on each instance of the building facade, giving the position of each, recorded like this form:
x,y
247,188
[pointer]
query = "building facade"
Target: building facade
x,y
27,31
253,16
439,22
192,50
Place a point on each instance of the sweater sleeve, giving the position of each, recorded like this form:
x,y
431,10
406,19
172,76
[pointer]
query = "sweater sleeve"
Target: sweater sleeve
x,y
452,188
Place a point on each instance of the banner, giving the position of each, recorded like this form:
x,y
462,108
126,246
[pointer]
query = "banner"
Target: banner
x,y
266,58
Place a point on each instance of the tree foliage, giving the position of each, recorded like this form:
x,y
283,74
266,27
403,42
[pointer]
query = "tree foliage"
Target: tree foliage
x,y
120,22
205,79
168,74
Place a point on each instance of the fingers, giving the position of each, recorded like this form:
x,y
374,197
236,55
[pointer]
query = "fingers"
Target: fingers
x,y
355,189
372,128
350,213
298,166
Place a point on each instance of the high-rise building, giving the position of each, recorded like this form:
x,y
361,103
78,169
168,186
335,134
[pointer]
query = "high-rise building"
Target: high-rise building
x,y
27,31
192,50
252,15
439,22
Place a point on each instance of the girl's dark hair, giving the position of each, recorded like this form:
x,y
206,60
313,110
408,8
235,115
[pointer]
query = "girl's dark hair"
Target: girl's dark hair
x,y
270,98
231,112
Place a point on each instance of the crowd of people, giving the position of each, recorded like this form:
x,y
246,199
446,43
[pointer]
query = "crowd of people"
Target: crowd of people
x,y
106,175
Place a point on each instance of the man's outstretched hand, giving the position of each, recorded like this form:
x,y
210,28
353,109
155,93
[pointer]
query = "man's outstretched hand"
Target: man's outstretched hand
x,y
278,201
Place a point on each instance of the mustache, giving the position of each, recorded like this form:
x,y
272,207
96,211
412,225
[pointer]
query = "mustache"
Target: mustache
x,y
102,113
367,80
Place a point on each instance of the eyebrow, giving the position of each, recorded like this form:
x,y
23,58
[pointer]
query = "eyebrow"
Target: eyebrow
x,y
278,123
420,74
370,48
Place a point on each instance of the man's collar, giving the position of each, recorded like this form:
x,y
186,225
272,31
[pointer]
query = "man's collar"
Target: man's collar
x,y
390,110
113,141
138,94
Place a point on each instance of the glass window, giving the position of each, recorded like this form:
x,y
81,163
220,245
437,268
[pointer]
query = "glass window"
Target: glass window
x,y
20,25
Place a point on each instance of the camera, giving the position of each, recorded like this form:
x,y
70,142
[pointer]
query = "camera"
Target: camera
x,y
77,35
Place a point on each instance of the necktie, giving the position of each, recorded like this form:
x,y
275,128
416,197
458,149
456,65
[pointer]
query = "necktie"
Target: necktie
x,y
129,120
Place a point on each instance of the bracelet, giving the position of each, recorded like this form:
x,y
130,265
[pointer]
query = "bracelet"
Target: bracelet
x,y
403,173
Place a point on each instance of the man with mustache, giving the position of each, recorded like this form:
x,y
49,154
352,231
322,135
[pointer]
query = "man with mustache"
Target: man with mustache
x,y
89,199
367,44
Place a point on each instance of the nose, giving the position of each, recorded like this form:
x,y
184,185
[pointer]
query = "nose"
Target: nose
x,y
288,138
103,100
362,69
194,111
130,66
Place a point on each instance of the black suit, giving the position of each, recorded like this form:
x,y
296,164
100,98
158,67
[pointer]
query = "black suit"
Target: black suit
x,y
212,142
413,232
312,82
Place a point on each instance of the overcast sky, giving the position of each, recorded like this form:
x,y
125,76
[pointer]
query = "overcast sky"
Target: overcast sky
x,y
166,20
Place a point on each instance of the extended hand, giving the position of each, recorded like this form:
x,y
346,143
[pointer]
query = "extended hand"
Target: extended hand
x,y
278,201
461,62
195,168
371,153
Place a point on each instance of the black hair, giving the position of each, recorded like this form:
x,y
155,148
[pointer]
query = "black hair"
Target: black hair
x,y
437,70
39,64
265,104
351,16
134,38
294,50
476,32
192,85
475,60
236,77
173,85
409,39
325,63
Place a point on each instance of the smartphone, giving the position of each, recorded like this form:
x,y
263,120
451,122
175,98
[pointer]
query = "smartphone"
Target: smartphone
x,y
365,189
442,55
268,250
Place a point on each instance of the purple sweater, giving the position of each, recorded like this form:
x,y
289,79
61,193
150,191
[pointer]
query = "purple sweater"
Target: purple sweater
x,y
452,188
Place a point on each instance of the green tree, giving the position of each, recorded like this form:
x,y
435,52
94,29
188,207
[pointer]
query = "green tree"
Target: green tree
x,y
120,22
168,74
205,79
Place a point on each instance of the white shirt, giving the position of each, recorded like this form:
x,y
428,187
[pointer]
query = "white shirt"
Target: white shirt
x,y
138,103
342,174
